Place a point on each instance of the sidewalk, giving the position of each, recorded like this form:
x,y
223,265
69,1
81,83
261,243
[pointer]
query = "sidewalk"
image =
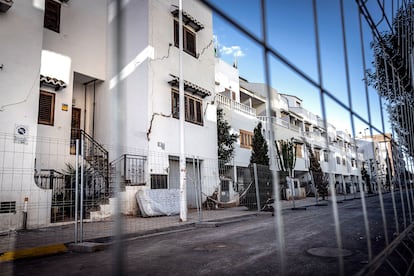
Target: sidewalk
x,y
54,239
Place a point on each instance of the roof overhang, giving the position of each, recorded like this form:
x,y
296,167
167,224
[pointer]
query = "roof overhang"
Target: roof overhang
x,y
190,87
189,20
294,114
52,82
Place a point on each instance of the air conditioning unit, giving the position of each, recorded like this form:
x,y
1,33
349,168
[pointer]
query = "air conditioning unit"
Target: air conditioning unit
x,y
5,5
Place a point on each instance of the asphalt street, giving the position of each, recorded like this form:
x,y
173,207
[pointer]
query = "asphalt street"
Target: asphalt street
x,y
247,247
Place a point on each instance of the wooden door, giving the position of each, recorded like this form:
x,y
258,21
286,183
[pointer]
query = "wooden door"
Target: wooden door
x,y
75,131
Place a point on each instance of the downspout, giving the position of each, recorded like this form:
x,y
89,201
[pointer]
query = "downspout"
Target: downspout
x,y
93,111
84,108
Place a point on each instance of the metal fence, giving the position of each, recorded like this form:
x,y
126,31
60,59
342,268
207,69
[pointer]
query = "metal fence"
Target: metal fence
x,y
372,19
214,186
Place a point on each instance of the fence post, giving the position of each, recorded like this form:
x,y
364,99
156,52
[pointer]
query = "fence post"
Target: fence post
x,y
81,191
256,184
200,198
76,188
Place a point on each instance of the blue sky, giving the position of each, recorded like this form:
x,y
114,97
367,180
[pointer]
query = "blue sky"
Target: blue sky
x,y
291,33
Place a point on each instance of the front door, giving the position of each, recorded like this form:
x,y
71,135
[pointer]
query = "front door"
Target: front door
x,y
75,132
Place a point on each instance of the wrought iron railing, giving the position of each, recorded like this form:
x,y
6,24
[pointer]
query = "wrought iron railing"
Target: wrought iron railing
x,y
131,168
96,157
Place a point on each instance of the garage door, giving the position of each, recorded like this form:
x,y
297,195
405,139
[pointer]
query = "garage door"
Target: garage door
x,y
192,183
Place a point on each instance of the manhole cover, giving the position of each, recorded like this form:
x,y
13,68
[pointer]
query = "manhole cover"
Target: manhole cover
x,y
328,252
215,246
212,247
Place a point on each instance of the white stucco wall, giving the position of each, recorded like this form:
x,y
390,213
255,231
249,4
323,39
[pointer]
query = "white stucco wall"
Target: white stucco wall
x,y
199,140
80,46
130,104
21,30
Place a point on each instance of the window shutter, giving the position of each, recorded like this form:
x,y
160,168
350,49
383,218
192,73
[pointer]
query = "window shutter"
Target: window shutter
x,y
190,42
52,15
176,34
46,108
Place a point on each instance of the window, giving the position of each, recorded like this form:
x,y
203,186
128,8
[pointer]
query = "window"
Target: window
x,y
159,181
193,108
46,108
353,163
7,207
189,39
52,15
299,153
343,162
325,156
338,160
246,138
317,154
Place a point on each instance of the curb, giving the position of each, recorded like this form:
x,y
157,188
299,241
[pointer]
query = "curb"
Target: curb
x,y
32,252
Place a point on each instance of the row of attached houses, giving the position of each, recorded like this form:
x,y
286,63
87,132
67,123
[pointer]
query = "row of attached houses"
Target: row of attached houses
x,y
338,153
59,82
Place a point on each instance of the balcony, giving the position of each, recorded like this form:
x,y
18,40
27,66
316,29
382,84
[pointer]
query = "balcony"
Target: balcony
x,y
233,105
279,122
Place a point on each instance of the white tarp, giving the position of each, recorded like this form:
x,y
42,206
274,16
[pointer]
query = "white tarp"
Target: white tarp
x,y
158,202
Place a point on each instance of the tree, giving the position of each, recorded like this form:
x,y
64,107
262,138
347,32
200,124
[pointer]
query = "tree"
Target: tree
x,y
259,147
392,77
286,153
225,139
315,168
367,179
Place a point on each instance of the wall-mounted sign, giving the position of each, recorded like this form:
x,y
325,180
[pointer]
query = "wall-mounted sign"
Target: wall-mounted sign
x,y
21,133
65,107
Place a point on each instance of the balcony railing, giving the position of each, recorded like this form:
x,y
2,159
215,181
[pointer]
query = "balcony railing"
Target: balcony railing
x,y
229,103
280,122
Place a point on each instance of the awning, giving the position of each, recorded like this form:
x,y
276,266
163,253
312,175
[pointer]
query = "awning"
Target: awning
x,y
189,20
190,87
52,82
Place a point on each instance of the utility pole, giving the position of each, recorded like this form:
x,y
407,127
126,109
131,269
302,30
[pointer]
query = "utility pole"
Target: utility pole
x,y
183,184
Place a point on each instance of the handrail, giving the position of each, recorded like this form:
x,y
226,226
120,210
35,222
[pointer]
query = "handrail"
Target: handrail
x,y
90,138
131,166
91,147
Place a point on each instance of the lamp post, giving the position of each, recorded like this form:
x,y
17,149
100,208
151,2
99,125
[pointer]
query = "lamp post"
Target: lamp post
x,y
365,132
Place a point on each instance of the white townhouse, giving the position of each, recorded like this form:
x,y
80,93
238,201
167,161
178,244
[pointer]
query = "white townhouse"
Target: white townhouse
x,y
149,106
53,65
240,107
383,161
57,84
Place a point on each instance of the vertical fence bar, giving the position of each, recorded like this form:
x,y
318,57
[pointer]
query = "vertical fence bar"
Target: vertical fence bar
x,y
256,184
272,152
195,182
118,102
81,189
76,188
200,195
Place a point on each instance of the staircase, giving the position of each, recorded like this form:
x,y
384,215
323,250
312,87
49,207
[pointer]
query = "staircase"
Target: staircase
x,y
97,168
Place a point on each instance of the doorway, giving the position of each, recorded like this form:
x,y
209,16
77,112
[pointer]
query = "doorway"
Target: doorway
x,y
75,128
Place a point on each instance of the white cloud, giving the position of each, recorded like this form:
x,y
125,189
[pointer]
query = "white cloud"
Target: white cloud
x,y
232,50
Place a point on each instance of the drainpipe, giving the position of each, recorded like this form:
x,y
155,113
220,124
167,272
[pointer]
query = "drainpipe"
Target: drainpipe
x,y
93,111
84,108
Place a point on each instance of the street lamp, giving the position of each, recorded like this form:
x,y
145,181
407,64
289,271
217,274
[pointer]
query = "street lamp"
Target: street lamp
x,y
365,132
